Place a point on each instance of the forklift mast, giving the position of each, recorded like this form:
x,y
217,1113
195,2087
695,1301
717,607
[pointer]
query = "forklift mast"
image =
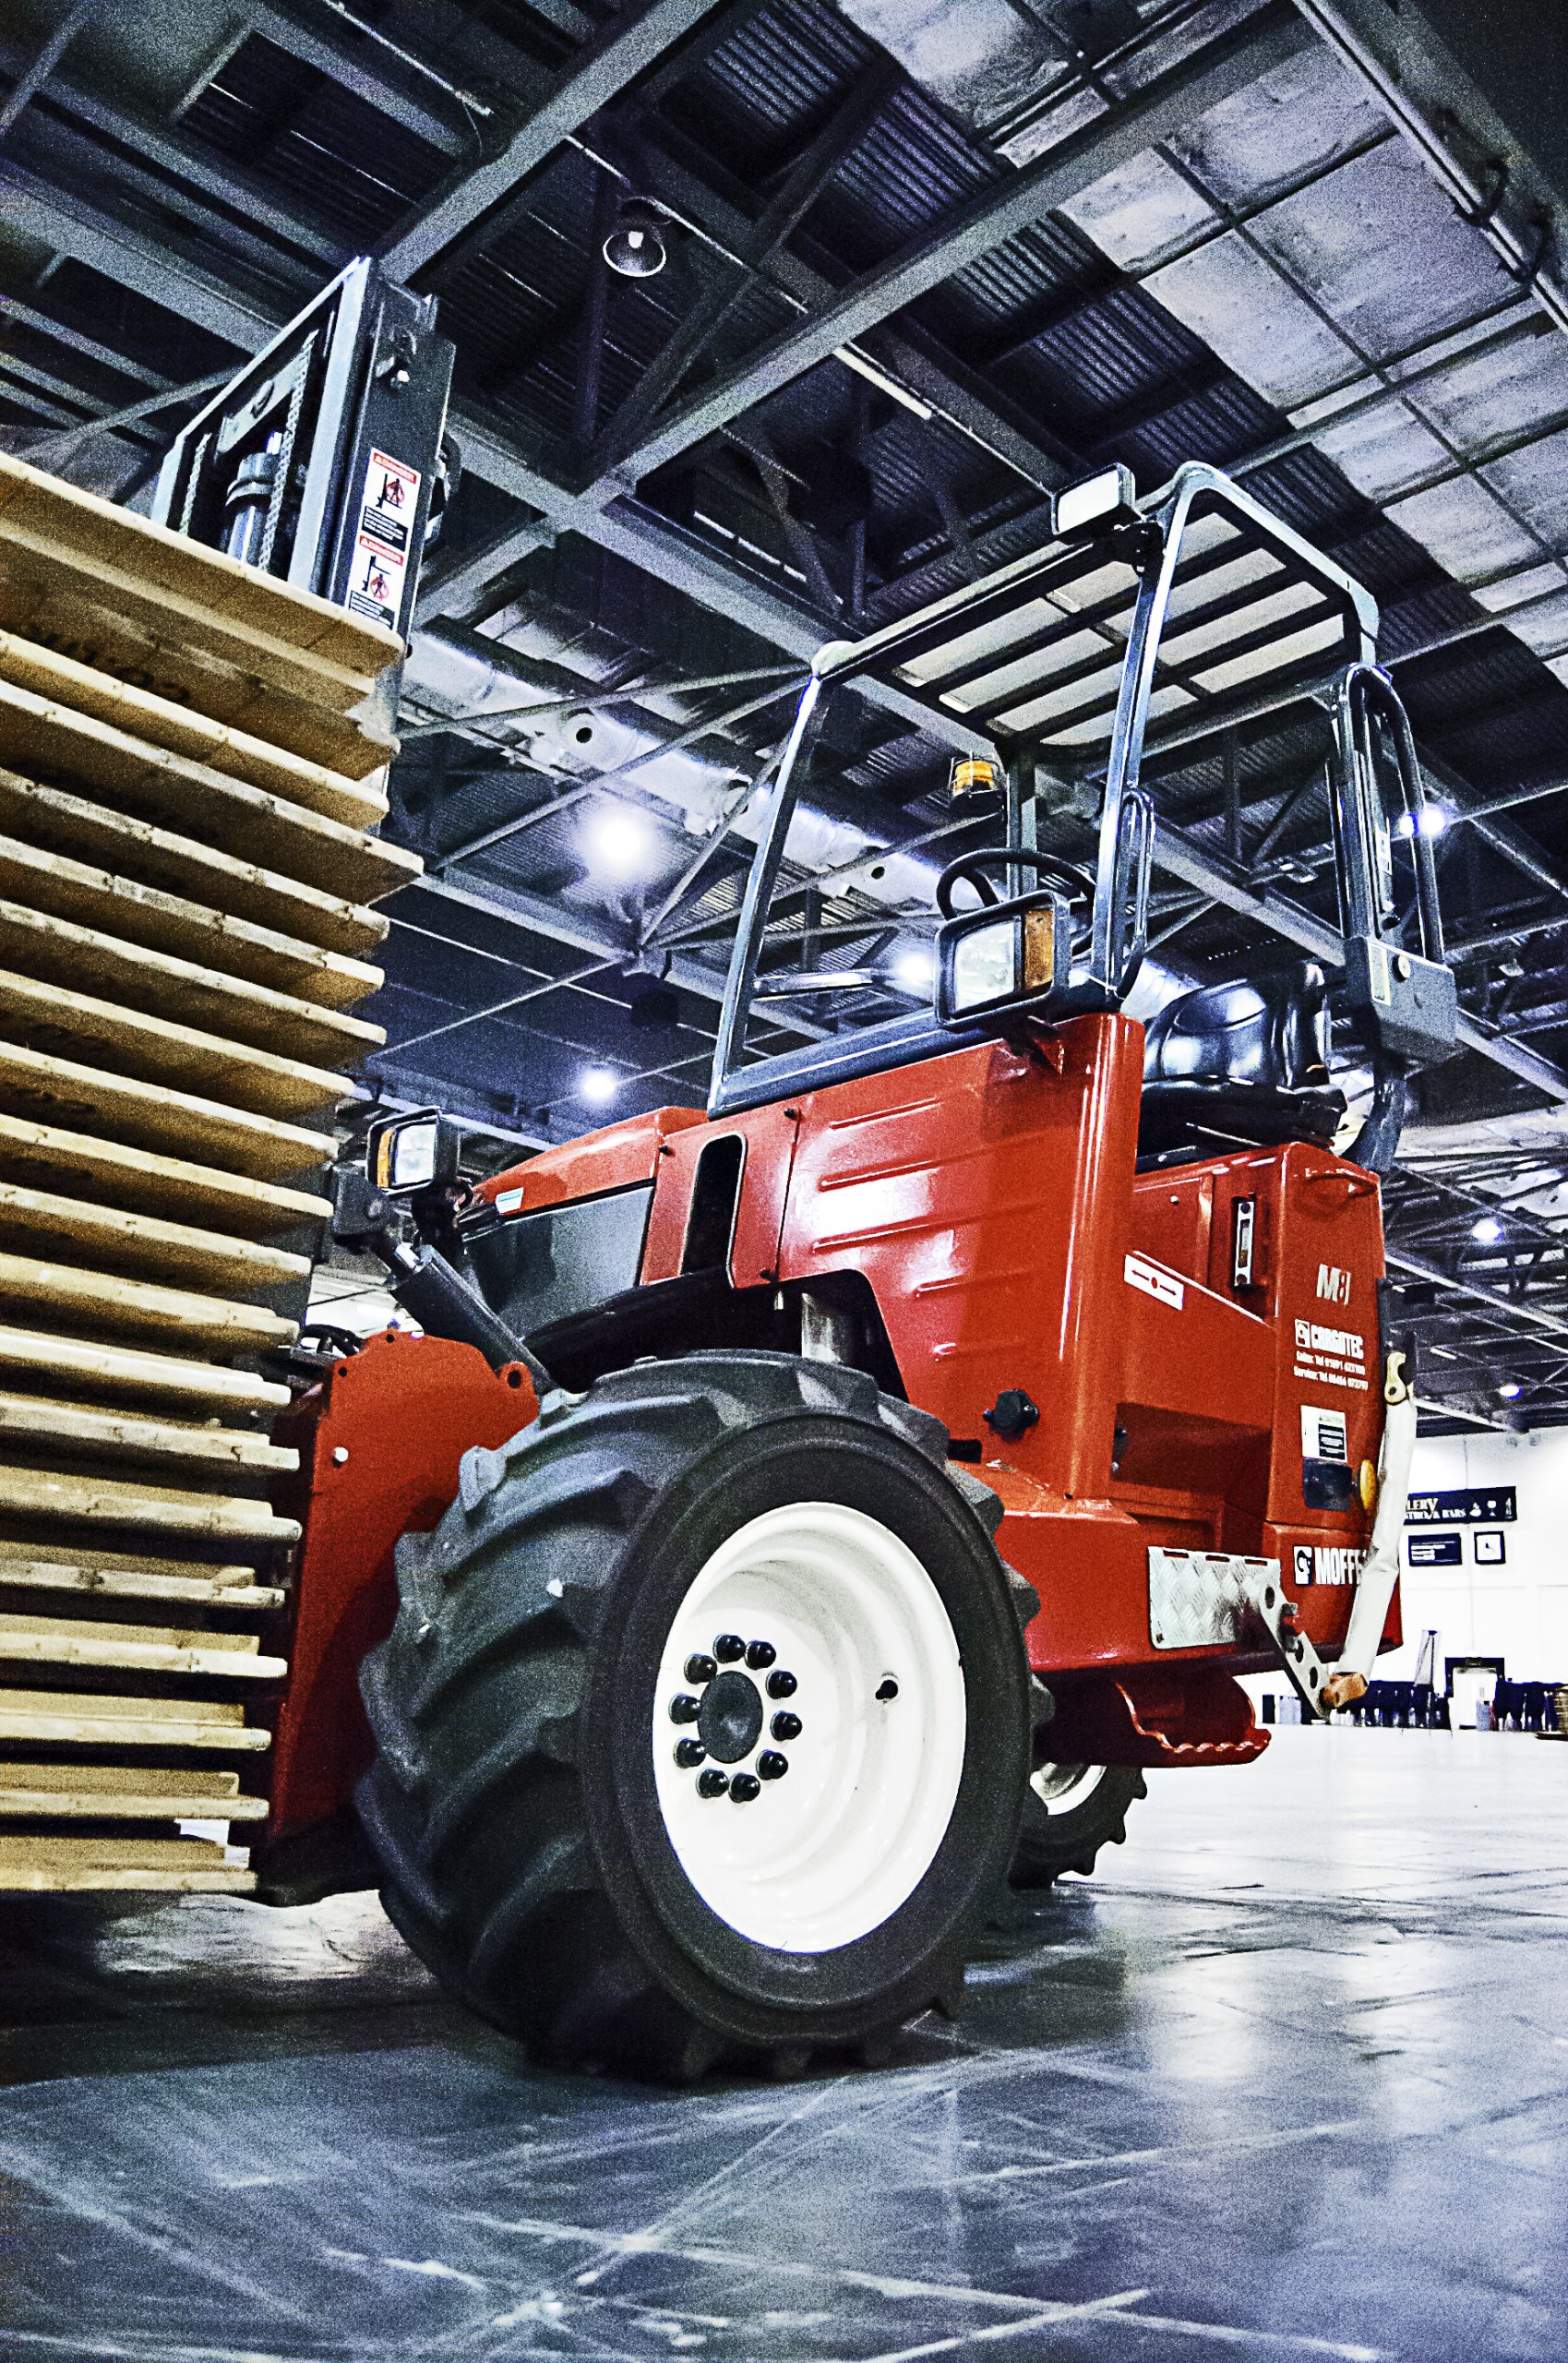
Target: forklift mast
x,y
323,462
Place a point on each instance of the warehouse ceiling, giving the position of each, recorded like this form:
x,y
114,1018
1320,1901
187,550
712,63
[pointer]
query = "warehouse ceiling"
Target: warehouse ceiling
x,y
924,262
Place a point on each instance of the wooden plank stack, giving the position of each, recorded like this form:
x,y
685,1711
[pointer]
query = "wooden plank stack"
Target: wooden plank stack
x,y
187,862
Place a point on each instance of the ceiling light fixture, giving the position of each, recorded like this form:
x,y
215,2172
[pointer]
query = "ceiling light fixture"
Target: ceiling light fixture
x,y
879,379
915,971
635,247
597,1085
1432,821
1487,1229
1509,1389
620,842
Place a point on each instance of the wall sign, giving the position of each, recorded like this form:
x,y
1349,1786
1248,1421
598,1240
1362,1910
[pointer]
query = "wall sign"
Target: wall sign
x,y
1491,1550
1433,1550
1463,1505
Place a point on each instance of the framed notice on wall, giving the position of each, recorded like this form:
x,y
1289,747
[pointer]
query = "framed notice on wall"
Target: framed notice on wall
x,y
1433,1550
1491,1550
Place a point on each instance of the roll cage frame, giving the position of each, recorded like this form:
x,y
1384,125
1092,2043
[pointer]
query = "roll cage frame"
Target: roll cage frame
x,y
936,666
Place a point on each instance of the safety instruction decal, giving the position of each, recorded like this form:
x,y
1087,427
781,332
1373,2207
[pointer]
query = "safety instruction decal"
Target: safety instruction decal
x,y
1163,1286
1322,1433
389,502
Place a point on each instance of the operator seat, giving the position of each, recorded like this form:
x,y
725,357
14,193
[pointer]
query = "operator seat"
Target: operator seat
x,y
1244,1062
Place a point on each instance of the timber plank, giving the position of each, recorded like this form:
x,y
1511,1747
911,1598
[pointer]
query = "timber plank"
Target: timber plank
x,y
43,1222
166,1187
211,1782
125,1793
55,535
155,1509
157,921
135,1370
122,1574
42,944
38,1086
70,622
148,856
79,1866
133,1649
41,738
104,1300
143,715
113,1433
52,1019
94,1719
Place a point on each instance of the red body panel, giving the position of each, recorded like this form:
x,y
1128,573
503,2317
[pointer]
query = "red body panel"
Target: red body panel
x,y
379,1443
991,1200
609,1159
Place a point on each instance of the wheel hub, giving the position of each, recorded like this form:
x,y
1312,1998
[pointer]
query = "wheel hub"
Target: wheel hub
x,y
730,1718
811,1679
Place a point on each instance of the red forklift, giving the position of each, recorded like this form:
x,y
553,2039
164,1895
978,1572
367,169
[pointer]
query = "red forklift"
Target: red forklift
x,y
795,1521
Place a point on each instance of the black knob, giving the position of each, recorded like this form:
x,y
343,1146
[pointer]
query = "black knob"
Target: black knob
x,y
728,1647
1013,1414
781,1685
887,1687
785,1726
744,1787
712,1783
689,1753
758,1655
685,1708
700,1669
771,1765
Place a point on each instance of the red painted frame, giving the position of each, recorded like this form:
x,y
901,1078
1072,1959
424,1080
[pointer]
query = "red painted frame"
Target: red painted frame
x,y
991,1200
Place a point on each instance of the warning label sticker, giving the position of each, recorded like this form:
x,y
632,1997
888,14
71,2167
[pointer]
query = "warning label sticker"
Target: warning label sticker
x,y
1330,1357
376,582
389,500
1163,1286
1322,1433
391,496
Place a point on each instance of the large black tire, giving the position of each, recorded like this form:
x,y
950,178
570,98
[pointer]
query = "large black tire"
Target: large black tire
x,y
513,1804
1069,1815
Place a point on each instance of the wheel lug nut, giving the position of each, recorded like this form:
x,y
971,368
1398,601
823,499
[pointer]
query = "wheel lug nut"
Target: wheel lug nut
x,y
728,1647
684,1708
758,1655
712,1783
785,1726
888,1689
689,1753
700,1668
771,1765
781,1685
744,1787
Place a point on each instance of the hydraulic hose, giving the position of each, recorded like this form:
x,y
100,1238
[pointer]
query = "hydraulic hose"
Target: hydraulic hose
x,y
443,1303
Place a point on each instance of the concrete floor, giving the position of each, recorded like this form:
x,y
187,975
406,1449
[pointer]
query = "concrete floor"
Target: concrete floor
x,y
1291,2078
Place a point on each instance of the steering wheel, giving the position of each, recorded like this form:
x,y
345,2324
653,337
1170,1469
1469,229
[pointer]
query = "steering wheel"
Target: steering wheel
x,y
970,869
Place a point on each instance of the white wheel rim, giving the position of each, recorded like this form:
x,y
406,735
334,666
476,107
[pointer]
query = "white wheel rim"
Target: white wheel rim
x,y
826,1852
1061,1788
